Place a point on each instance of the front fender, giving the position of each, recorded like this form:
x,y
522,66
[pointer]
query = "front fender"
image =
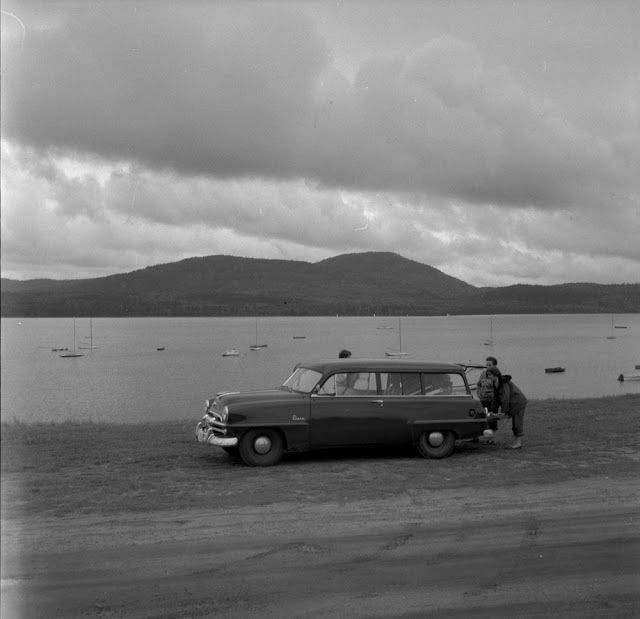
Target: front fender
x,y
292,418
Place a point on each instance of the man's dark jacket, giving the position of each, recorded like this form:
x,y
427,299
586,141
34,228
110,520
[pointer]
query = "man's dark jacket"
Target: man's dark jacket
x,y
512,400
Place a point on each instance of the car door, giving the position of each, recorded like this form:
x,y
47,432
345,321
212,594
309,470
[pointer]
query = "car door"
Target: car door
x,y
346,410
402,401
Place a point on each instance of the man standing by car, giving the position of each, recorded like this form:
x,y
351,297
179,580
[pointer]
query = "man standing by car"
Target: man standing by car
x,y
491,364
513,403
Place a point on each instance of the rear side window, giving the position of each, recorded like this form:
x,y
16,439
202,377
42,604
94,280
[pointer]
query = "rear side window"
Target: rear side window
x,y
396,383
442,383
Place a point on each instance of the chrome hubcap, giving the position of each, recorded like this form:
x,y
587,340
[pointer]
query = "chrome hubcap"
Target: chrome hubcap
x,y
436,439
262,444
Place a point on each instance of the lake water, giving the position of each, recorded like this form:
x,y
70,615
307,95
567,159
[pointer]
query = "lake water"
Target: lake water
x,y
126,379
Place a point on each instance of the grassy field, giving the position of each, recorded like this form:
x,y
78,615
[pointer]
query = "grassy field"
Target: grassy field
x,y
142,521
85,468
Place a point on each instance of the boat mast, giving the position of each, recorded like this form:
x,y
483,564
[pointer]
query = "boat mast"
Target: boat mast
x,y
400,332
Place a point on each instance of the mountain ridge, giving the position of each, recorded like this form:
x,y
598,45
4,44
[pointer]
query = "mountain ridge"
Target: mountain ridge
x,y
353,284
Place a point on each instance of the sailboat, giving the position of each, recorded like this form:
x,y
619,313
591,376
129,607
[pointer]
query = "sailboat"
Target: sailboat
x,y
91,346
257,346
70,355
489,342
399,352
612,336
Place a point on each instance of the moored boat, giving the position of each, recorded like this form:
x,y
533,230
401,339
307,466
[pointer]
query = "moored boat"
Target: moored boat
x,y
73,354
555,370
231,352
399,352
257,346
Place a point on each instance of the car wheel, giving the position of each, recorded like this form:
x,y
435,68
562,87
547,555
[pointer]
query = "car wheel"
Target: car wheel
x,y
436,444
261,447
232,451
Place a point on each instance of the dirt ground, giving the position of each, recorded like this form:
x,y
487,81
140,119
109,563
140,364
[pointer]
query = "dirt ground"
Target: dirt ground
x,y
142,521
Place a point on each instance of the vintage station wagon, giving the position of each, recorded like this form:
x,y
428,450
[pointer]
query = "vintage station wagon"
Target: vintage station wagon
x,y
348,402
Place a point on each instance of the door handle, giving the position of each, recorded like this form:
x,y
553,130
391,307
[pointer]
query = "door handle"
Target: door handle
x,y
381,402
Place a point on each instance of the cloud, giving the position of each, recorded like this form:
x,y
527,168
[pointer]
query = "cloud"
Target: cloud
x,y
155,84
135,134
88,218
254,93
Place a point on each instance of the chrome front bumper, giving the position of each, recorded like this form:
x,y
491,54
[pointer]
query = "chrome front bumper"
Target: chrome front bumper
x,y
206,435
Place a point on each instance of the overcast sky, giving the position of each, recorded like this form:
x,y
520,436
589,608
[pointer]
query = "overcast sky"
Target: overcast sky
x,y
496,141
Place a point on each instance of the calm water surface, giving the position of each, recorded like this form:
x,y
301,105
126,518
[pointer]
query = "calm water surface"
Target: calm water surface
x,y
126,379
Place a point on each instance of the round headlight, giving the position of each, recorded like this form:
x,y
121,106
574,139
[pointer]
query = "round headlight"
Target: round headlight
x,y
225,414
207,404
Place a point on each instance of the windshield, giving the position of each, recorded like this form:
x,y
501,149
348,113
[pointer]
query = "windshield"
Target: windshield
x,y
303,380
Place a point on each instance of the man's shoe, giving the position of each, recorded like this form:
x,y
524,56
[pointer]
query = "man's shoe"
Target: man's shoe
x,y
517,444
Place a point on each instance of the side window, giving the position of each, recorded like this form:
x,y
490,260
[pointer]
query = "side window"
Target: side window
x,y
436,384
328,387
350,383
411,384
361,383
390,383
396,383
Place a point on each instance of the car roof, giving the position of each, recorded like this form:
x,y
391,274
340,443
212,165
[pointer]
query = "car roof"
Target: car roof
x,y
380,365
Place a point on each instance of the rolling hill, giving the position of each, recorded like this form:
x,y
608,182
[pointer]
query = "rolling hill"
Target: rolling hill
x,y
354,284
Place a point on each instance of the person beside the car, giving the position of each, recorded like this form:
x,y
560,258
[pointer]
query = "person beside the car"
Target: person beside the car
x,y
487,389
491,363
513,403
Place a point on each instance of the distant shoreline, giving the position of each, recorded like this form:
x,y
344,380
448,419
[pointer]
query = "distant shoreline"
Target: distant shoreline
x,y
617,313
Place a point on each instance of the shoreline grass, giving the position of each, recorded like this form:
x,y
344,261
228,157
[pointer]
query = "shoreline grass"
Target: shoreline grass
x,y
87,468
570,403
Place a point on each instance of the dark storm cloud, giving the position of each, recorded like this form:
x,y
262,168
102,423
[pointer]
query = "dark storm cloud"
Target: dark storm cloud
x,y
254,92
74,218
166,88
496,143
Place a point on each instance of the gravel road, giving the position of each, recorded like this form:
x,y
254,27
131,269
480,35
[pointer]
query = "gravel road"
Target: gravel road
x,y
553,530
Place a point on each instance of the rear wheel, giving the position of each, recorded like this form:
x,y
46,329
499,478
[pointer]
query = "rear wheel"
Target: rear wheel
x,y
261,447
436,444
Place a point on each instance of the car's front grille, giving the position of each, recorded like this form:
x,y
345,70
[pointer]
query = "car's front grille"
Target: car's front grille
x,y
214,420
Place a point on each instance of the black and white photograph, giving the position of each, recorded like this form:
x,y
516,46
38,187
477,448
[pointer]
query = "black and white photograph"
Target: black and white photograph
x,y
320,308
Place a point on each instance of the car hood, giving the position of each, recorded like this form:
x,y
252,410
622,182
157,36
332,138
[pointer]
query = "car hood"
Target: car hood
x,y
264,396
